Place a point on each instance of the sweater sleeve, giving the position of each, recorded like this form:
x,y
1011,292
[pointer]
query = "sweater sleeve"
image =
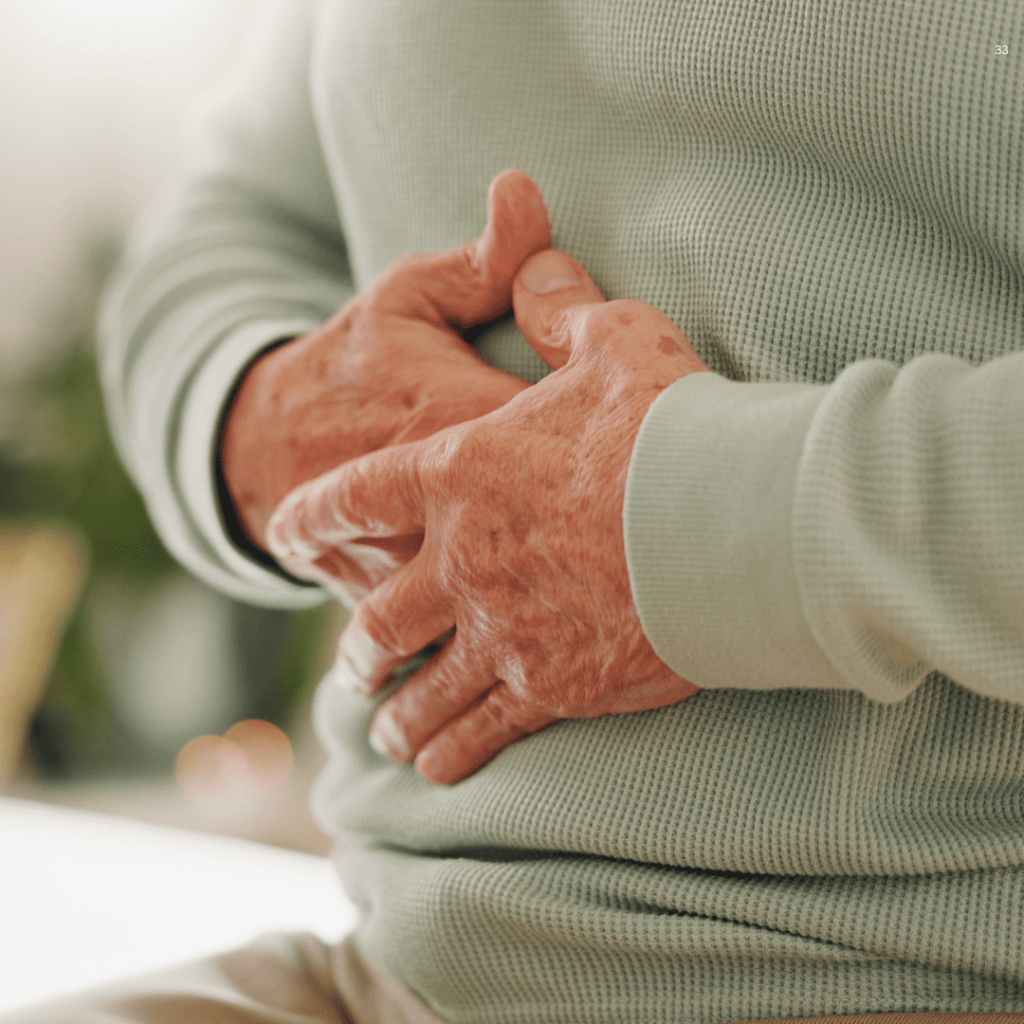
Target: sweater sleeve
x,y
857,536
243,250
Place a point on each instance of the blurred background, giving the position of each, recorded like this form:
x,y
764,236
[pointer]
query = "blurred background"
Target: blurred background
x,y
125,685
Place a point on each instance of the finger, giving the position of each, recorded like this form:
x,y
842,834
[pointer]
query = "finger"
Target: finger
x,y
351,571
451,682
545,290
472,283
473,739
336,574
377,496
657,691
391,624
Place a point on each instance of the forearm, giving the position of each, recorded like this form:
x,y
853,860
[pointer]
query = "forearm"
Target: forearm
x,y
857,536
244,251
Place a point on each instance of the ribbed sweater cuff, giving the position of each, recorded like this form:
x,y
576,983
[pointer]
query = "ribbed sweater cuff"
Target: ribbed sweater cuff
x,y
707,521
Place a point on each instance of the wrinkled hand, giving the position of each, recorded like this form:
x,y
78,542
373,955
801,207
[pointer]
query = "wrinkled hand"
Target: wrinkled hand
x,y
389,368
523,550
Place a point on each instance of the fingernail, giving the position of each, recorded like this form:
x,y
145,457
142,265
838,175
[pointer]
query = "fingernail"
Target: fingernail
x,y
358,658
430,765
387,739
548,272
346,678
427,764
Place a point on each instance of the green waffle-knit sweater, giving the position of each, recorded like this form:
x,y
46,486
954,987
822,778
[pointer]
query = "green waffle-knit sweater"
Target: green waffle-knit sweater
x,y
826,534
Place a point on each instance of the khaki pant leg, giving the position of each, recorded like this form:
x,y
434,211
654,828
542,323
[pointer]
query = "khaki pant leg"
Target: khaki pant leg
x,y
278,979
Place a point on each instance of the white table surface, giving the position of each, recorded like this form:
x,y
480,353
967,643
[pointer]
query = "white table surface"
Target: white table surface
x,y
87,898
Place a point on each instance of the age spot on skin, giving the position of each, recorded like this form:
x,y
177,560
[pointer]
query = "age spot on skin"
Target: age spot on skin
x,y
667,344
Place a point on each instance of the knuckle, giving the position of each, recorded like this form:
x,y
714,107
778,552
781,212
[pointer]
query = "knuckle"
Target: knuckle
x,y
349,487
377,624
560,324
401,268
467,260
504,713
468,278
462,270
458,675
449,688
614,316
616,326
633,313
343,322
622,310
396,279
462,451
529,685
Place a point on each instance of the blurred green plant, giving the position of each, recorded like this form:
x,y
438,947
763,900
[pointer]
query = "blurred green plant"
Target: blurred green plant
x,y
62,465
57,462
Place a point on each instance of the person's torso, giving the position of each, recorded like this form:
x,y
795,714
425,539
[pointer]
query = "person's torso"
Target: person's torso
x,y
798,186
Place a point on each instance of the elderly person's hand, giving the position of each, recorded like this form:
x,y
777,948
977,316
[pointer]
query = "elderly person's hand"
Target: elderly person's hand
x,y
521,517
389,368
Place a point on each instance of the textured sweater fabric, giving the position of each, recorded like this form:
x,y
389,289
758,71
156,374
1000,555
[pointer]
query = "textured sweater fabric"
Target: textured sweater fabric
x,y
824,534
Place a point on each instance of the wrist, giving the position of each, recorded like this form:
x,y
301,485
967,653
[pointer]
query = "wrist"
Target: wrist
x,y
247,474
300,408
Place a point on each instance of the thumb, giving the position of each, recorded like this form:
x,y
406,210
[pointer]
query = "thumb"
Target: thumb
x,y
547,285
472,283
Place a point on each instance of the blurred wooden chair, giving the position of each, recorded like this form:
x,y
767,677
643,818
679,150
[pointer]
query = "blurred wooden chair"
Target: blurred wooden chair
x,y
42,569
